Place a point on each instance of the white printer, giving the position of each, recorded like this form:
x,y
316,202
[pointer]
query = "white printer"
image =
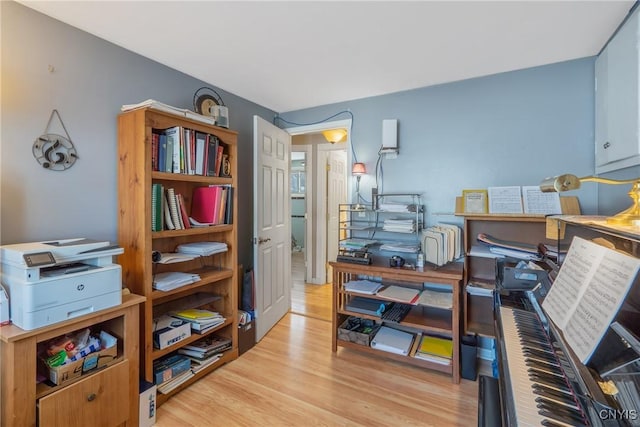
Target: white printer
x,y
49,282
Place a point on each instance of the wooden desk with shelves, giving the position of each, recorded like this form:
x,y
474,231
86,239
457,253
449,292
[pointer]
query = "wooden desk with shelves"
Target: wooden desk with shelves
x,y
107,397
421,319
480,269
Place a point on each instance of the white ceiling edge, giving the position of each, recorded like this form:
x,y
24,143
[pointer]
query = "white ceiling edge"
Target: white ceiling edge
x,y
293,55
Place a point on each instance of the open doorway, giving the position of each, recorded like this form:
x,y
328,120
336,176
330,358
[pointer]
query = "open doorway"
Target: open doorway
x,y
318,184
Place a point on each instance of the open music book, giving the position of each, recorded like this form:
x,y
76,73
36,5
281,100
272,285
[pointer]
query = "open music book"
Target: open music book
x,y
588,292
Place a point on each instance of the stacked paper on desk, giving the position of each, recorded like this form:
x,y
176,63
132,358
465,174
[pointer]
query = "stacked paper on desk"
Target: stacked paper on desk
x,y
392,340
173,280
202,248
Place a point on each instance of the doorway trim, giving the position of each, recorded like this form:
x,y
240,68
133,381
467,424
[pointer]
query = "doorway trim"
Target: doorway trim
x,y
316,256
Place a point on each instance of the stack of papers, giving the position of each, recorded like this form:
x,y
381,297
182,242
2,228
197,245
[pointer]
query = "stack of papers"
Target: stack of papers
x,y
200,320
400,247
206,347
519,250
438,299
357,244
399,225
173,280
171,257
362,286
397,207
157,105
400,294
202,248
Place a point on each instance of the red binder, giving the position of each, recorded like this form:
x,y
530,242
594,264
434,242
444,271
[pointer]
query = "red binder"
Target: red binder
x,y
204,204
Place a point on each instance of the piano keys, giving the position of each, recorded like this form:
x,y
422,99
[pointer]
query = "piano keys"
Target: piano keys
x,y
540,391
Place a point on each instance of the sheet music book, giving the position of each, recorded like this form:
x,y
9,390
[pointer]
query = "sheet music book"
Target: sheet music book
x,y
588,292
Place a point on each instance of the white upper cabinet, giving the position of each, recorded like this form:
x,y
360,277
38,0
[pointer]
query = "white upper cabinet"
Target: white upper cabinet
x,y
617,120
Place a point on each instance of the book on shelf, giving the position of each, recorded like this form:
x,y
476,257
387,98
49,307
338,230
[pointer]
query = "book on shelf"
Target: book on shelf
x,y
436,346
176,381
198,365
209,344
228,212
212,152
219,159
168,222
173,208
157,207
201,142
209,205
155,140
184,217
362,286
173,148
197,314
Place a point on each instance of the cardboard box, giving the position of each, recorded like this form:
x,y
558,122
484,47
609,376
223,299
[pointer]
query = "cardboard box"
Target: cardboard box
x,y
169,330
64,373
147,405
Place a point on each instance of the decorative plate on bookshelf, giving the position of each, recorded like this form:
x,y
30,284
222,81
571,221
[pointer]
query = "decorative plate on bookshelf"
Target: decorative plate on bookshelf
x,y
204,99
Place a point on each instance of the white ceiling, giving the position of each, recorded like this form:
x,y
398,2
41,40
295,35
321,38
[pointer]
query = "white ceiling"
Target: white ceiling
x,y
292,55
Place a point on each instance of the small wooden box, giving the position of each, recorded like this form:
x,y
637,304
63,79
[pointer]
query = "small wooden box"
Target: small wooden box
x,y
362,335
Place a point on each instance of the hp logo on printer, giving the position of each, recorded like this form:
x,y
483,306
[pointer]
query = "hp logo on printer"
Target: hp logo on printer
x,y
80,287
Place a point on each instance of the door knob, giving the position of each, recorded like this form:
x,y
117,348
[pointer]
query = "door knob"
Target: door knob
x,y
261,240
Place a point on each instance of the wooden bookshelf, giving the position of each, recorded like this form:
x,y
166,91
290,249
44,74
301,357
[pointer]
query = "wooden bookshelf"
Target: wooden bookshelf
x,y
217,288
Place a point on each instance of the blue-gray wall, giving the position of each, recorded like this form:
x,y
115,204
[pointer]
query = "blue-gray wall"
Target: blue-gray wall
x,y
506,129
91,80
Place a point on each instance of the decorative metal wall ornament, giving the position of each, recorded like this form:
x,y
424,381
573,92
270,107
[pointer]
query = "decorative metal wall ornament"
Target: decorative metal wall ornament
x,y
53,151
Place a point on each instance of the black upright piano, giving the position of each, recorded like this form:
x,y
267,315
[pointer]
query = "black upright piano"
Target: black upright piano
x,y
541,382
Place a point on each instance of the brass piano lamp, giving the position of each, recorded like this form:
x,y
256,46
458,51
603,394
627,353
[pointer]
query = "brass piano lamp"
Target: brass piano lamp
x,y
628,217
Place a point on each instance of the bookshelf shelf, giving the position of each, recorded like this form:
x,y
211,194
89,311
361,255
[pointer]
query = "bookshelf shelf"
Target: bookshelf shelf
x,y
191,231
208,180
140,136
157,354
420,320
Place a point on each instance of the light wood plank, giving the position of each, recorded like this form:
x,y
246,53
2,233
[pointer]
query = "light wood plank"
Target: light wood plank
x,y
292,378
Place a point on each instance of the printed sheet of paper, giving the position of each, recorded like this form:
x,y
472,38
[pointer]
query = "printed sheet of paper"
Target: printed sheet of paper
x,y
588,292
537,202
506,200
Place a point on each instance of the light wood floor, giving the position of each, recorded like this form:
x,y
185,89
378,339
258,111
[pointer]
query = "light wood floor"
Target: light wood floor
x,y
307,299
291,378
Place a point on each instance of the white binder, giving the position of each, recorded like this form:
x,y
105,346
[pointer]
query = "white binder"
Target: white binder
x,y
393,341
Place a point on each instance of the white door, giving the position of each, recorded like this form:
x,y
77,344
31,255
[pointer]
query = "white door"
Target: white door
x,y
271,225
336,194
